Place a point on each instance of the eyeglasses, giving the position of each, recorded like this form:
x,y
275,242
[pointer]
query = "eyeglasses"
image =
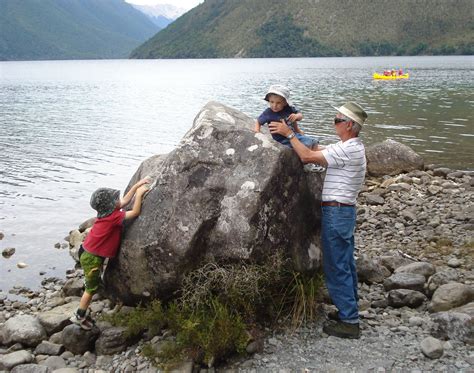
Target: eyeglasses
x,y
340,120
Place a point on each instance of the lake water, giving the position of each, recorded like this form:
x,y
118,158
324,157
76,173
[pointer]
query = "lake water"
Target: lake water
x,y
68,127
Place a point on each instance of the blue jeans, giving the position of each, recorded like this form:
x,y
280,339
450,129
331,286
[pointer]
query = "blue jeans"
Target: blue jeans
x,y
307,141
338,224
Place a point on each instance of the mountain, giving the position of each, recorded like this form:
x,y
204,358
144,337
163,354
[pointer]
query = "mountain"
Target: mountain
x,y
300,28
161,14
70,29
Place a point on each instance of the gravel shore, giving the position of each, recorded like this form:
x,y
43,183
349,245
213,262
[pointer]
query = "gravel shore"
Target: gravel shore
x,y
415,224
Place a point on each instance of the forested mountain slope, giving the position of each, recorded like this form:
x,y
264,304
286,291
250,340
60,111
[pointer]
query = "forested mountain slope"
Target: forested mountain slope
x,y
70,29
294,28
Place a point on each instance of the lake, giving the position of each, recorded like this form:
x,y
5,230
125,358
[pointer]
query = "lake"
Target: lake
x,y
69,127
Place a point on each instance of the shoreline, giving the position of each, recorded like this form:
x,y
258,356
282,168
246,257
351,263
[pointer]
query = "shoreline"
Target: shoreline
x,y
419,217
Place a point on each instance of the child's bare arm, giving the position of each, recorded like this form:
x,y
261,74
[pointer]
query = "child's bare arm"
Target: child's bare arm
x,y
295,117
137,205
257,126
297,128
128,197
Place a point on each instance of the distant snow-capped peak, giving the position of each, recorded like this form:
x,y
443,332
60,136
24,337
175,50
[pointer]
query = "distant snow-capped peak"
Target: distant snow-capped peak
x,y
165,10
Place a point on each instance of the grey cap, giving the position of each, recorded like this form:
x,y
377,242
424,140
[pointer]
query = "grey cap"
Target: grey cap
x,y
104,201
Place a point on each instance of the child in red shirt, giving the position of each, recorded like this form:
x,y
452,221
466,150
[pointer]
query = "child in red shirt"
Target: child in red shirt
x,y
103,241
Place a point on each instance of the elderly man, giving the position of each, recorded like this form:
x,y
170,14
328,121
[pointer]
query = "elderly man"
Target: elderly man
x,y
346,165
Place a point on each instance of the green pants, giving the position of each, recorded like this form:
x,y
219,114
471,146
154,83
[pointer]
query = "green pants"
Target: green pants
x,y
92,266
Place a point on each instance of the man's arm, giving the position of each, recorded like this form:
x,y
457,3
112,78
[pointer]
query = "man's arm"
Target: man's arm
x,y
128,197
306,155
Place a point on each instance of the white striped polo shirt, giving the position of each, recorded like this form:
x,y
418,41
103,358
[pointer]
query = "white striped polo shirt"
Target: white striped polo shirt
x,y
345,171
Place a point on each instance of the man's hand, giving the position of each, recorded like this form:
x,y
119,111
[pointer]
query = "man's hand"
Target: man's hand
x,y
280,128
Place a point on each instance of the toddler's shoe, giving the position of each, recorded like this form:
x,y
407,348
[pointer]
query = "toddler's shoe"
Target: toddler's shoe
x,y
85,322
313,167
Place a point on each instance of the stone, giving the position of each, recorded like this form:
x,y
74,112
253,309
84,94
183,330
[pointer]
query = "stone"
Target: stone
x,y
392,262
48,348
451,295
454,263
440,278
24,329
8,252
54,362
442,171
369,271
391,158
73,287
455,324
30,368
57,318
87,224
422,268
412,281
210,203
78,340
432,348
11,360
75,240
375,200
113,341
403,297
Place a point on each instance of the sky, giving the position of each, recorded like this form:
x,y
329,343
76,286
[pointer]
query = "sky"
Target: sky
x,y
186,4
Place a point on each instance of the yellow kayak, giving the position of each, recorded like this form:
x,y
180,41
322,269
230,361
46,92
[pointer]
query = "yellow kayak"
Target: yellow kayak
x,y
390,77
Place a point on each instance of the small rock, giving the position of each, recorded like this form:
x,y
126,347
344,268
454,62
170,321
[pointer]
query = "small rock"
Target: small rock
x,y
454,263
8,252
432,347
21,265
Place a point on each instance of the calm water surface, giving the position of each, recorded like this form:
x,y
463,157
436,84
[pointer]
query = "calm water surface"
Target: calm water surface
x,y
68,127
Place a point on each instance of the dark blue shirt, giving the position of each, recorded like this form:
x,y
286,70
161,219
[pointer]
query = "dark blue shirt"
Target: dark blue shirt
x,y
270,116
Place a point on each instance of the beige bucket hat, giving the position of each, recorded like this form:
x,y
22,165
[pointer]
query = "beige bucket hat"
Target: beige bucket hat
x,y
353,111
280,90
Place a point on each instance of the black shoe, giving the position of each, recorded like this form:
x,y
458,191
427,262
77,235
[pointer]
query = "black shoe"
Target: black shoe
x,y
333,315
342,329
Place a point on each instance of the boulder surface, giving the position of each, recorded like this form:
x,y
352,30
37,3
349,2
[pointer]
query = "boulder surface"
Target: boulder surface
x,y
224,194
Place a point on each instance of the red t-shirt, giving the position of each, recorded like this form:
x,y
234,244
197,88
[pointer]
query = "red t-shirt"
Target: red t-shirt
x,y
104,237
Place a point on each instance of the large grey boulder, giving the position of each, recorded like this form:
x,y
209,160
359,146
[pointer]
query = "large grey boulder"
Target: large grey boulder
x,y
57,318
422,268
113,341
457,324
411,281
24,329
404,297
451,295
225,194
11,360
391,158
78,340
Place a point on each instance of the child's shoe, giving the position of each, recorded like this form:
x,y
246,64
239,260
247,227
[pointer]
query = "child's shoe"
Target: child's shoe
x,y
84,322
313,167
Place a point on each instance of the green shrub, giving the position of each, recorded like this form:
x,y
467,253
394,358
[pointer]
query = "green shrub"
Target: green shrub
x,y
141,318
301,298
208,334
